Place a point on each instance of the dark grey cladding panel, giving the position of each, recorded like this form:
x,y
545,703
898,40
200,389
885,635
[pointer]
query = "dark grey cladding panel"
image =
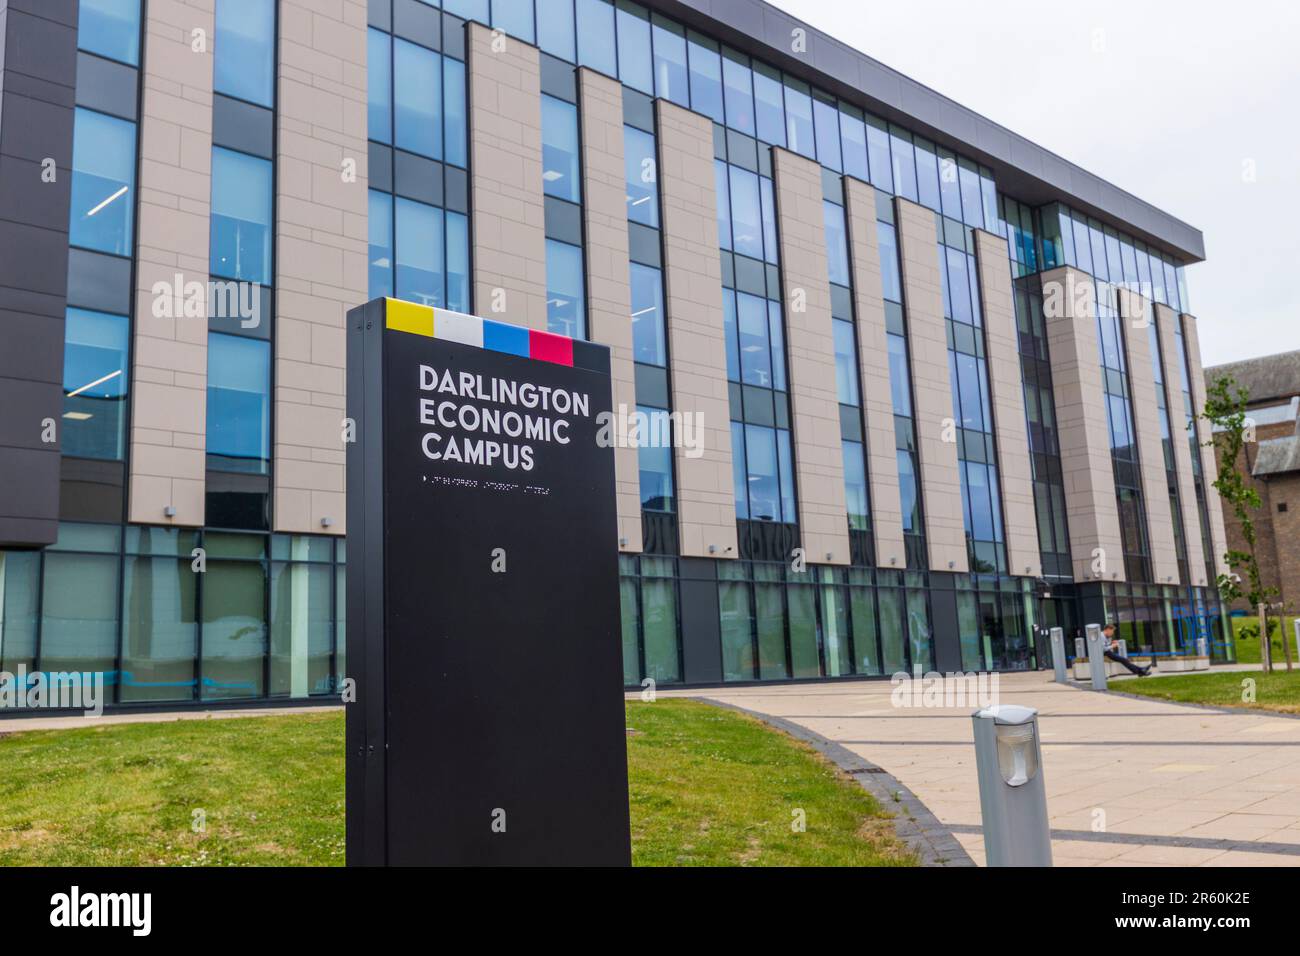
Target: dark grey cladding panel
x,y
1021,168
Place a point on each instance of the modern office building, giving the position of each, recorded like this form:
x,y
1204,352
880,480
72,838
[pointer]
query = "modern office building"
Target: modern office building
x,y
1272,462
928,384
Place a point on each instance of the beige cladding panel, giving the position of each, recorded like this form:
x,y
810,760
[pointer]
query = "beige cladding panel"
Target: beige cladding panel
x,y
1135,317
1069,310
169,374
873,359
1209,465
945,527
805,277
508,209
321,254
609,298
1015,473
696,346
1167,325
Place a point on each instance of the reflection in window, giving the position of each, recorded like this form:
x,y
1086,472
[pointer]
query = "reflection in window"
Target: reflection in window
x,y
647,315
159,626
560,149
670,62
705,77
95,384
419,253
634,62
380,224
655,456
234,629
103,180
379,80
515,17
239,418
455,148
417,74
855,484
555,28
244,52
565,314
301,633
79,613
798,118
596,36
640,163
110,28
241,216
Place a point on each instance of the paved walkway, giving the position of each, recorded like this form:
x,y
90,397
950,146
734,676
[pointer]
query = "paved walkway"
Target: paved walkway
x,y
13,725
1130,782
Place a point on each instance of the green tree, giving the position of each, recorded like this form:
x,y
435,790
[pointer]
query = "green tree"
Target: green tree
x,y
1231,431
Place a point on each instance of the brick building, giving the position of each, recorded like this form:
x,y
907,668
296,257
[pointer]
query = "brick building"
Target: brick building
x,y
1274,461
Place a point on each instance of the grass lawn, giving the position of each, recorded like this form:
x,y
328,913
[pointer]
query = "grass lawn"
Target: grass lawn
x,y
1248,647
707,787
1278,691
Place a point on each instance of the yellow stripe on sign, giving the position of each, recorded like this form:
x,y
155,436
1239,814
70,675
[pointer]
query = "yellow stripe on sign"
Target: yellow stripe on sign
x,y
409,317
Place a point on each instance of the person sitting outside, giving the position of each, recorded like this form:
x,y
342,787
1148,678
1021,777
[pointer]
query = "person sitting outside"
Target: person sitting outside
x,y
1112,652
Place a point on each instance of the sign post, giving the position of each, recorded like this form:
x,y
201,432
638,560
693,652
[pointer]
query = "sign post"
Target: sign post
x,y
482,596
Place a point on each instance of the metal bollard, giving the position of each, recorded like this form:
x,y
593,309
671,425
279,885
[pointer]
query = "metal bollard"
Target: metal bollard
x,y
1013,799
1059,662
1096,656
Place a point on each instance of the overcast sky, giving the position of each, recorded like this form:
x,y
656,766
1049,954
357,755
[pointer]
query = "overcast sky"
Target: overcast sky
x,y
1178,103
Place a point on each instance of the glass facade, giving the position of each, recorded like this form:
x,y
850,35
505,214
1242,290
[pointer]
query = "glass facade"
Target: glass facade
x,y
264,619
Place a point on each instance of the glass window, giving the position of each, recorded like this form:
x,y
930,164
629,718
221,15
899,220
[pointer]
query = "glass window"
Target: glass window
x,y
659,620
786,458
958,285
837,245
862,612
19,574
110,28
853,134
904,162
627,588
234,629
670,61
555,28
761,464
560,149
891,280
159,626
417,83
596,47
647,315
899,376
301,628
798,119
739,476
457,262
746,216
729,332
241,216
775,334
634,62
826,120
103,182
949,188
855,484
927,174
515,17
564,290
882,173
655,455
95,384
244,54
642,176
972,201
79,613
419,252
706,77
767,209
768,102
892,630
804,657
769,595
239,407
379,80
909,497
736,623
755,351
381,244
455,150
846,362
737,82
722,190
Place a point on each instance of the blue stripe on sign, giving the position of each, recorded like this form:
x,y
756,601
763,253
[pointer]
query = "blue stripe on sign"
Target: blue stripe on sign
x,y
500,337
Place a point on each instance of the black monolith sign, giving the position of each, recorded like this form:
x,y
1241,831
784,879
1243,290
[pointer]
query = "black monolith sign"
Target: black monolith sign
x,y
482,596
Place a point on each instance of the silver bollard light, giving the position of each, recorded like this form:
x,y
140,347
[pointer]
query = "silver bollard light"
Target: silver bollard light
x,y
1013,799
1096,656
1059,663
